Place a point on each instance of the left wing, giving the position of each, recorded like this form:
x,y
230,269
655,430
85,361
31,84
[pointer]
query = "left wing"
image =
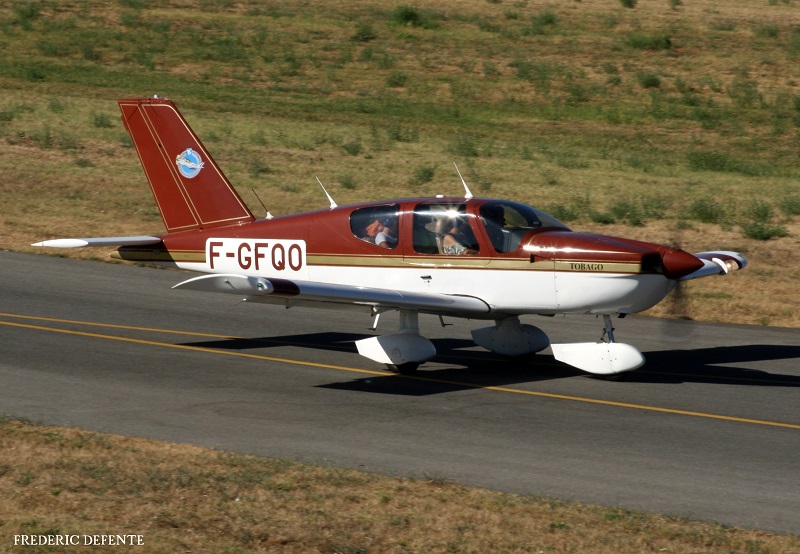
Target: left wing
x,y
313,291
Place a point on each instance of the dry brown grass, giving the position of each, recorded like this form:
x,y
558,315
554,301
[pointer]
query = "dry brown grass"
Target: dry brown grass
x,y
188,499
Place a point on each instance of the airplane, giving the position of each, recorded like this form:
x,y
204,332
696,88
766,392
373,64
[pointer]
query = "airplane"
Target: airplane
x,y
448,256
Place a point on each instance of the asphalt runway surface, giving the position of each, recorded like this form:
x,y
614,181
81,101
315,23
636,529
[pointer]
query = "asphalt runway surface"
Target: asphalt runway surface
x,y
709,429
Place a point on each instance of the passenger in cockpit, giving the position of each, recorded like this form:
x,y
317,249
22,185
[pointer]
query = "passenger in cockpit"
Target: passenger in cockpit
x,y
459,240
383,232
387,236
452,238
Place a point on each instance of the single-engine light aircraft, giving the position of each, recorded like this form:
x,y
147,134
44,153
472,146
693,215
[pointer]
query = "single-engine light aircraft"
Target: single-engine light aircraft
x,y
467,257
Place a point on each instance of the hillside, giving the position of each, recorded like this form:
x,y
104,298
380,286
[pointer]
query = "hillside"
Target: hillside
x,y
667,121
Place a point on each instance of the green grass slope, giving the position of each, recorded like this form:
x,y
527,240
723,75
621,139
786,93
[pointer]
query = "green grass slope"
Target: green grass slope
x,y
663,121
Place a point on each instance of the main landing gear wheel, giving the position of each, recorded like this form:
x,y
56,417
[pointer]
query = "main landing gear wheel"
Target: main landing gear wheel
x,y
403,351
408,368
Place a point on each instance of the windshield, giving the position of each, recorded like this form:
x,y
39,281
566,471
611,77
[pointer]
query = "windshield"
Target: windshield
x,y
507,222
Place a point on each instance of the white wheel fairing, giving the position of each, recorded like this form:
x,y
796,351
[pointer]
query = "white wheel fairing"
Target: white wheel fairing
x,y
600,358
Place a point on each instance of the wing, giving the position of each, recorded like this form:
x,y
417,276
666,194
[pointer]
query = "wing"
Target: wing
x,y
99,241
266,289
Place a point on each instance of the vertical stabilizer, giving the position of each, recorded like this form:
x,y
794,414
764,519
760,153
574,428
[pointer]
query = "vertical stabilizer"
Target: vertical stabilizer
x,y
190,190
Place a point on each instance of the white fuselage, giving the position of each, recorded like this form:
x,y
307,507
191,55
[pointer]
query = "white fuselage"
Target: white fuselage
x,y
506,291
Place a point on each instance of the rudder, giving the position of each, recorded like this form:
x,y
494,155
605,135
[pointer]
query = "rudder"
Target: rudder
x,y
190,190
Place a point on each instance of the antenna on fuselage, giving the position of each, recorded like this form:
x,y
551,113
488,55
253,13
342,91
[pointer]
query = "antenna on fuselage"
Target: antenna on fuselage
x,y
269,215
333,204
468,193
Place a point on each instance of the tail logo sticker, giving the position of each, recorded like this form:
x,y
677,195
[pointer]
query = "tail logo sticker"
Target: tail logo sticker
x,y
189,163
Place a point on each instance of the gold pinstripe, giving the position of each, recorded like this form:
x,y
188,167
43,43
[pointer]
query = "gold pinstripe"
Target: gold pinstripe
x,y
376,261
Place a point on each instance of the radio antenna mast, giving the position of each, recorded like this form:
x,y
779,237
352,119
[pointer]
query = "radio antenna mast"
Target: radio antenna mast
x,y
269,215
468,193
333,204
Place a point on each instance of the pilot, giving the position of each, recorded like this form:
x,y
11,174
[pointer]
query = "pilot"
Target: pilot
x,y
494,222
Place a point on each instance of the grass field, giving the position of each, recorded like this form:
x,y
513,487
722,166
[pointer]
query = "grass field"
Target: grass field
x,y
666,121
670,121
186,499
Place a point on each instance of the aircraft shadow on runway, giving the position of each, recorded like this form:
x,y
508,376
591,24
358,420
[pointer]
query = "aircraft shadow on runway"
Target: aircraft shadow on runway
x,y
460,365
703,365
334,341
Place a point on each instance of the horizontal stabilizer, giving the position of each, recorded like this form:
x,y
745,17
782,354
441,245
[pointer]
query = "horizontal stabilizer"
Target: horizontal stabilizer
x,y
600,358
99,241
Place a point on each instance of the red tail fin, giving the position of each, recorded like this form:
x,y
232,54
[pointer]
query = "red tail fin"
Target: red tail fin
x,y
190,190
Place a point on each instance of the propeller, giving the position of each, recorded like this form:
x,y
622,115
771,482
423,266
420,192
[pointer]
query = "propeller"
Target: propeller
x,y
677,303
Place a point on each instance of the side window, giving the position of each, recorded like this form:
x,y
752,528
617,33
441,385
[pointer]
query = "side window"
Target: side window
x,y
443,229
377,225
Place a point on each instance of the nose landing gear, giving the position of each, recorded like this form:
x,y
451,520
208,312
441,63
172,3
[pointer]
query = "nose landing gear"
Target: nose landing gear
x,y
608,357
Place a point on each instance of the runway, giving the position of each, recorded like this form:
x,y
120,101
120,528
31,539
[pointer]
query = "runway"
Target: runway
x,y
709,429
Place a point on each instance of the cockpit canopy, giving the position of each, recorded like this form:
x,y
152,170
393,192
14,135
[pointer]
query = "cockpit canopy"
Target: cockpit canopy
x,y
447,227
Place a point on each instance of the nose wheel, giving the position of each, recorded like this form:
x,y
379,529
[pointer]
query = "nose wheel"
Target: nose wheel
x,y
608,336
607,358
